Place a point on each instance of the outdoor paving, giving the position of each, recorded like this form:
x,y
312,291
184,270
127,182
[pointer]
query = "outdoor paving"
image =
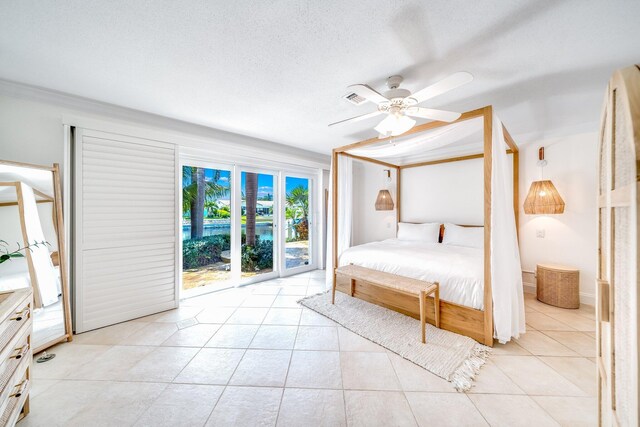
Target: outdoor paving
x,y
297,254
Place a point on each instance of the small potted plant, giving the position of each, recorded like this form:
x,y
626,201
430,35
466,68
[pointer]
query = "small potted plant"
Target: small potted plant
x,y
7,254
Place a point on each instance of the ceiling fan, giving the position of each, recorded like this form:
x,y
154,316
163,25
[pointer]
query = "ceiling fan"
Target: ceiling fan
x,y
400,105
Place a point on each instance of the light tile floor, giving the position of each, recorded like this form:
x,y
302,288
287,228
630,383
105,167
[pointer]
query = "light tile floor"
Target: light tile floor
x,y
252,356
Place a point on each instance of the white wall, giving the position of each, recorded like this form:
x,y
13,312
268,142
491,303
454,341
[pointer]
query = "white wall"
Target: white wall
x,y
11,230
30,131
570,238
446,192
370,225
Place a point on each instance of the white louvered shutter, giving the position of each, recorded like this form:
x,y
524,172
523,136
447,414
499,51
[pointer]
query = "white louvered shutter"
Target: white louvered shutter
x,y
125,259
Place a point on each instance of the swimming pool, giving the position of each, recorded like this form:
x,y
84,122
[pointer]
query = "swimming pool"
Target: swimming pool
x,y
263,229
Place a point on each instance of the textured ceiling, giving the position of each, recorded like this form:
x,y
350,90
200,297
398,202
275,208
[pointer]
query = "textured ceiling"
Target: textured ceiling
x,y
277,69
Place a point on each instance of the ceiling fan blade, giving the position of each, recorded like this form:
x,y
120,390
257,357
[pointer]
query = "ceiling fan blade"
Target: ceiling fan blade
x,y
358,118
368,93
429,113
448,83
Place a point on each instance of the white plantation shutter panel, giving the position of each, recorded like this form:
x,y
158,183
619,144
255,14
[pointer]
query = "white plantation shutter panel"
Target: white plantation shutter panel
x,y
126,227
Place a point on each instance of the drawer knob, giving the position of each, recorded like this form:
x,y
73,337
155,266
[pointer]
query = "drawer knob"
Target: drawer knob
x,y
21,351
21,387
21,314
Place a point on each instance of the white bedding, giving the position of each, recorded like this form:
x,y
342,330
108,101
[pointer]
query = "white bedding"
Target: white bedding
x,y
14,274
459,270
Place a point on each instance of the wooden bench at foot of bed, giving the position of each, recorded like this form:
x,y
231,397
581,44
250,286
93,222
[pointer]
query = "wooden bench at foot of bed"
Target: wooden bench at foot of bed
x,y
404,285
453,317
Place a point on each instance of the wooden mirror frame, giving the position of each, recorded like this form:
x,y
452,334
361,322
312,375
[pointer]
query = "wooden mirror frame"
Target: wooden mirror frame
x,y
58,222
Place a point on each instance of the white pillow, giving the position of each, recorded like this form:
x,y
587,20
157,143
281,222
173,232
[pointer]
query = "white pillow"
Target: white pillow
x,y
428,233
472,237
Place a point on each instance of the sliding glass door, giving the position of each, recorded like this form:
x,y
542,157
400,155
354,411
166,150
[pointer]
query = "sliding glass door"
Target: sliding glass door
x,y
230,225
298,225
206,228
258,225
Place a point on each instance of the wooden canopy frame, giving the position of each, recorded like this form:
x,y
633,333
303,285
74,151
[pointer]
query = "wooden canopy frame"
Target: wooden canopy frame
x,y
477,324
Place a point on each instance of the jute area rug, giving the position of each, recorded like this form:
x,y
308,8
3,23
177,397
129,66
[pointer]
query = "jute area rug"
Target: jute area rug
x,y
454,357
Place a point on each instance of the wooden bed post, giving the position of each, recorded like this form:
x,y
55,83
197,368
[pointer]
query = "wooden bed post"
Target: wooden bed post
x,y
334,242
488,300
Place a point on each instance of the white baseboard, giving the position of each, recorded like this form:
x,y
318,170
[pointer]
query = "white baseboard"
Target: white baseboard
x,y
529,288
585,298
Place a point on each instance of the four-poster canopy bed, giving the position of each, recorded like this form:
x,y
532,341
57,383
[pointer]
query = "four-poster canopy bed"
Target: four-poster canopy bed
x,y
472,322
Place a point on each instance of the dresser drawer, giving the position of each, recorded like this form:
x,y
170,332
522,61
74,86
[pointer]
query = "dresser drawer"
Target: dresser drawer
x,y
18,349
15,396
16,320
15,354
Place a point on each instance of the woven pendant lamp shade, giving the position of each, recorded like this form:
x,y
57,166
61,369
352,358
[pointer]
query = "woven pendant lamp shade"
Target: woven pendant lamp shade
x,y
384,202
543,198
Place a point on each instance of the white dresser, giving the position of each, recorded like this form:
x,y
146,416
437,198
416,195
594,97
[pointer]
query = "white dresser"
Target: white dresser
x,y
15,355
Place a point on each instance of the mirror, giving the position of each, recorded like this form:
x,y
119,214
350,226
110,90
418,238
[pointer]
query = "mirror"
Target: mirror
x,y
32,247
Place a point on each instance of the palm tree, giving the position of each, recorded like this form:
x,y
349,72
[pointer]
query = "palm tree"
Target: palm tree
x,y
197,204
195,193
251,194
298,204
298,198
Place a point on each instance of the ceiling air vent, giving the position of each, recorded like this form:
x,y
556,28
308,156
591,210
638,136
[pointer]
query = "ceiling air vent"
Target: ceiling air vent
x,y
354,98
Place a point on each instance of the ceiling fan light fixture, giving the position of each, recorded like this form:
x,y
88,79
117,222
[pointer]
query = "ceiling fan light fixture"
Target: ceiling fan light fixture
x,y
401,105
394,125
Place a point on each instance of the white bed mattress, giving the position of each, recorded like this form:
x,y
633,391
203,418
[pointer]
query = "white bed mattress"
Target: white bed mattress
x,y
459,270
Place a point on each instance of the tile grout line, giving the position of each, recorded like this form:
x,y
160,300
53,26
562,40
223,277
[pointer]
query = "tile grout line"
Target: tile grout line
x,y
286,377
344,403
478,409
544,332
167,385
344,393
224,389
404,393
321,388
560,373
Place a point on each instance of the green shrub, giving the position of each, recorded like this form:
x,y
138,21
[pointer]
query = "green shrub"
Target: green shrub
x,y
258,257
200,252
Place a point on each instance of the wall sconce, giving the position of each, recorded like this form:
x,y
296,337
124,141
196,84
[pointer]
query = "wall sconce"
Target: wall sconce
x,y
384,201
543,198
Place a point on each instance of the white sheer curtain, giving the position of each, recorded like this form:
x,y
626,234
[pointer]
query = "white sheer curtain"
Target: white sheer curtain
x,y
506,271
424,142
345,212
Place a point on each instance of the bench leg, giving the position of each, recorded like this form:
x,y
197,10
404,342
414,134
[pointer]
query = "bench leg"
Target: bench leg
x,y
436,301
333,289
353,286
423,320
